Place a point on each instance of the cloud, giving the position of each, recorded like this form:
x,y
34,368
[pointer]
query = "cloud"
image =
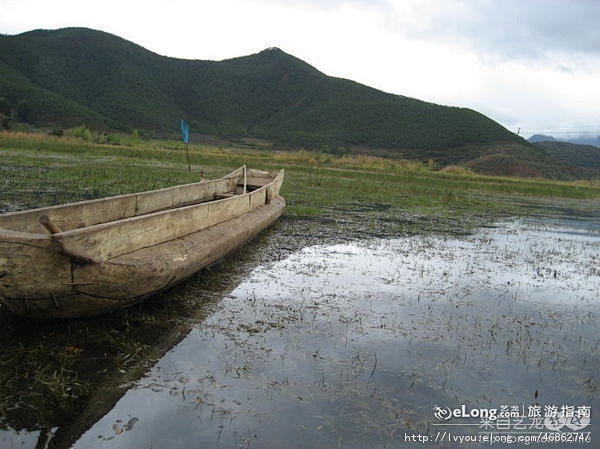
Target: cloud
x,y
507,28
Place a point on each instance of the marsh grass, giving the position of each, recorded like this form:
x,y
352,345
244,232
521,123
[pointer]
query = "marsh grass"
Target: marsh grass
x,y
457,170
587,183
167,155
39,170
306,211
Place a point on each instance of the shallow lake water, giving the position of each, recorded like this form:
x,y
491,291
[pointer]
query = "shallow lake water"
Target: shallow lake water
x,y
354,345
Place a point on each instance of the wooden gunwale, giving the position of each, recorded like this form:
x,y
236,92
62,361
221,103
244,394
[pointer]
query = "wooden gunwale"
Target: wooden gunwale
x,y
103,241
91,212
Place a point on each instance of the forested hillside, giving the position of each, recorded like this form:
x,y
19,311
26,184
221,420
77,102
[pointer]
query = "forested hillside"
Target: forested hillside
x,y
79,76
586,156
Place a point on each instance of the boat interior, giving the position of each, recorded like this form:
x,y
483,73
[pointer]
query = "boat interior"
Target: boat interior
x,y
67,217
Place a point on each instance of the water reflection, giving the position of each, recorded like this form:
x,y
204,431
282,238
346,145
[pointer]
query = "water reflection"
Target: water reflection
x,y
58,378
352,345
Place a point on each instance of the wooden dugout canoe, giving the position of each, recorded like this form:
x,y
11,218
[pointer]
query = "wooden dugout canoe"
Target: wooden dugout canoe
x,y
97,256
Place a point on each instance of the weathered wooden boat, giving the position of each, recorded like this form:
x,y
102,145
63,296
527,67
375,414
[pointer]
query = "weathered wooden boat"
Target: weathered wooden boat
x,y
97,256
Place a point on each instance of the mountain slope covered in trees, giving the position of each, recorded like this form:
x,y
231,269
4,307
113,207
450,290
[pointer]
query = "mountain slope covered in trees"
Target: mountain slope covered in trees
x,y
72,76
585,156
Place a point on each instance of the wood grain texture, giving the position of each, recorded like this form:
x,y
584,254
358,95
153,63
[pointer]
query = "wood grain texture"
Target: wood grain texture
x,y
31,267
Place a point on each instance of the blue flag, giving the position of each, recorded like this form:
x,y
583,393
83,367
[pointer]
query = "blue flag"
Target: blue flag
x,y
185,131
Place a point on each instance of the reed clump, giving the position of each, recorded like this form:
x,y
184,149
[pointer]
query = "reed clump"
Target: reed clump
x,y
457,170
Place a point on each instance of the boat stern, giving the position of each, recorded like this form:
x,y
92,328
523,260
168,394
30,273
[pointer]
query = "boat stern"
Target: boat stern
x,y
31,269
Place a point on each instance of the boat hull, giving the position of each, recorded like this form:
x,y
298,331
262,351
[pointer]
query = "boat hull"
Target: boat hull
x,y
64,288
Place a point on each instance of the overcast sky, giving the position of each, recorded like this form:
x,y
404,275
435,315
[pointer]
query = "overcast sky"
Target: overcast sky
x,y
533,64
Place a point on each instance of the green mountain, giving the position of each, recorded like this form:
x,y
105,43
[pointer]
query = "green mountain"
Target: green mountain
x,y
585,156
75,76
540,138
72,76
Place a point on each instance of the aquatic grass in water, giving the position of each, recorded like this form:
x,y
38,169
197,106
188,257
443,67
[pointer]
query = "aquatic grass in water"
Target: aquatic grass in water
x,y
306,211
352,345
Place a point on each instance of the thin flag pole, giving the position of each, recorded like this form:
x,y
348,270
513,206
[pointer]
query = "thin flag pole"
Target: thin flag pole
x,y
245,180
187,153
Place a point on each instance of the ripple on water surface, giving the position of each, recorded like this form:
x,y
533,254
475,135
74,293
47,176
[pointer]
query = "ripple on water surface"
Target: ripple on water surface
x,y
353,345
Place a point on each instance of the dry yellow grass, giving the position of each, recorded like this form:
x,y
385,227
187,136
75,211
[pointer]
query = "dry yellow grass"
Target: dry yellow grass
x,y
457,170
40,137
587,183
359,161
303,156
377,163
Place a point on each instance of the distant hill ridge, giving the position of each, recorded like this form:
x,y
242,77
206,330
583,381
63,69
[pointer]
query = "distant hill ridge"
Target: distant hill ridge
x,y
75,75
540,138
590,140
585,156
